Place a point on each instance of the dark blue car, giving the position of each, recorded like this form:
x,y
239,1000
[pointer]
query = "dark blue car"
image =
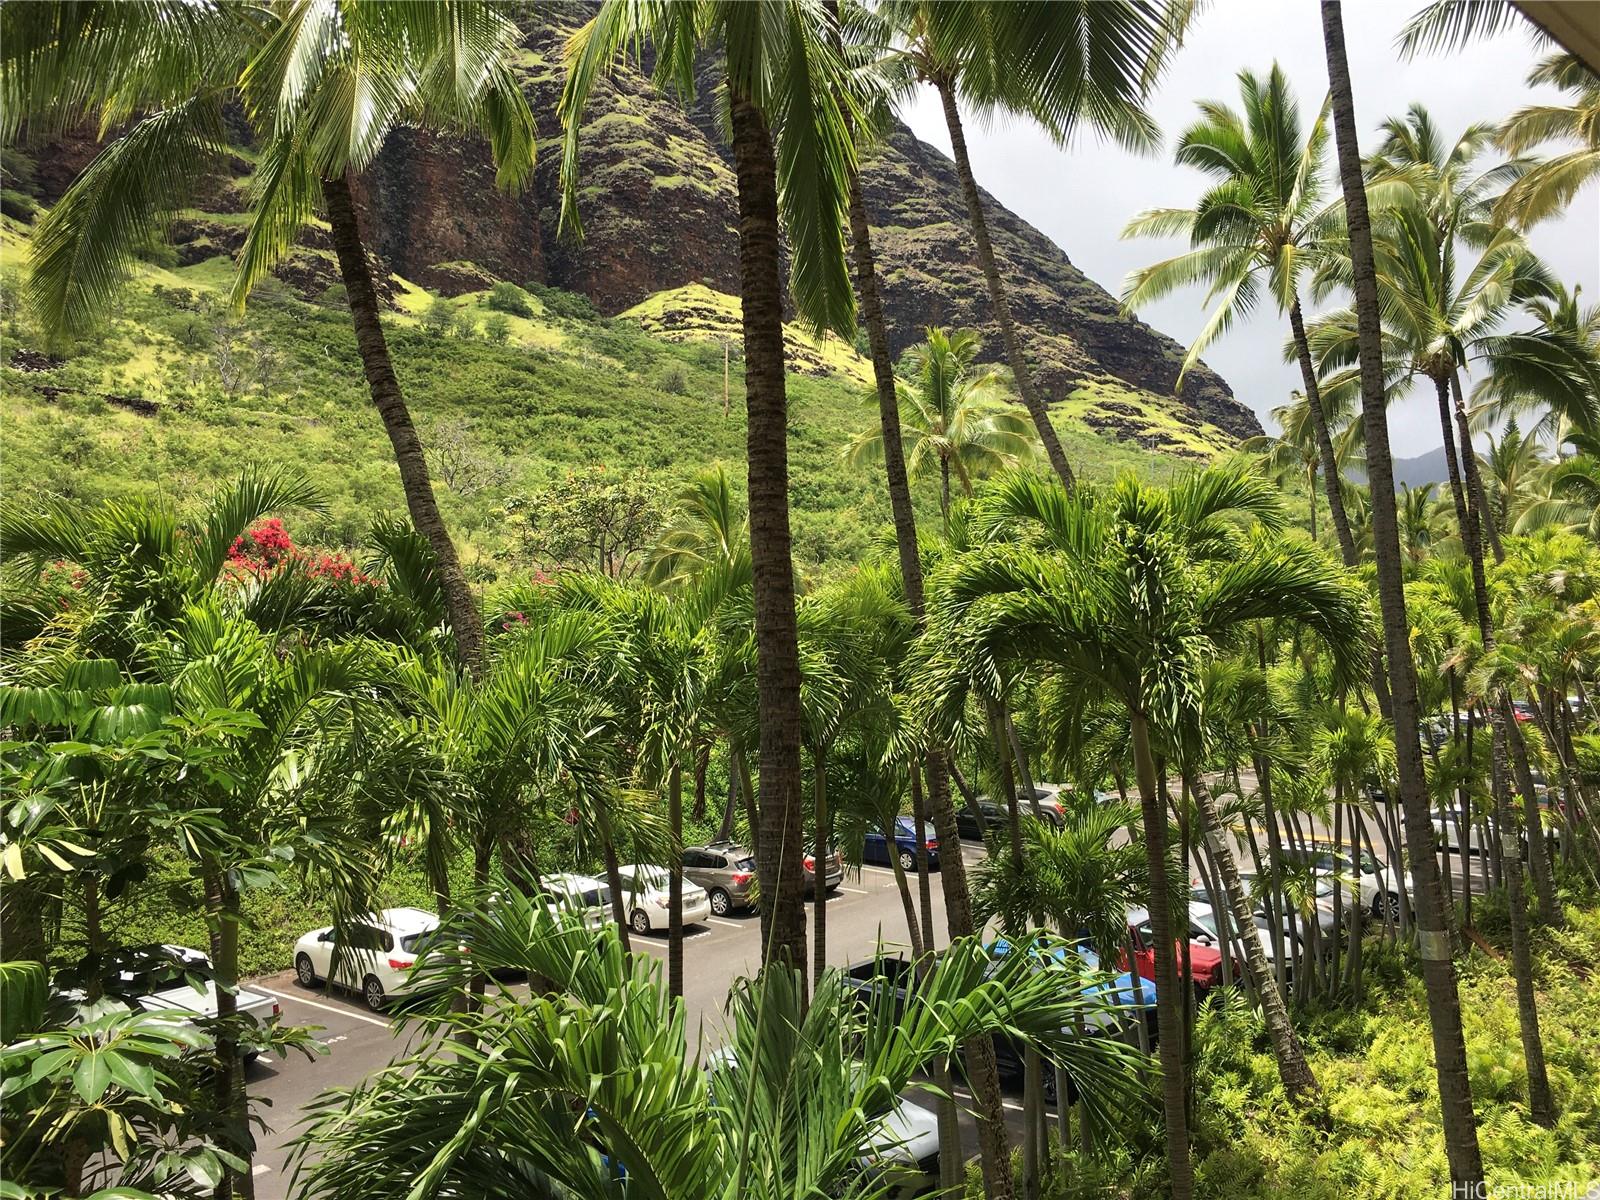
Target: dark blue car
x,y
876,847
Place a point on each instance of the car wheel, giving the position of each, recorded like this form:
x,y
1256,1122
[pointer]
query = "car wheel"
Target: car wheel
x,y
372,993
304,972
640,921
720,902
1392,899
908,861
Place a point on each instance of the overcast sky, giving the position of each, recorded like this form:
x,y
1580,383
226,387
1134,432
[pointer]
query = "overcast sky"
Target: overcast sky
x,y
1082,196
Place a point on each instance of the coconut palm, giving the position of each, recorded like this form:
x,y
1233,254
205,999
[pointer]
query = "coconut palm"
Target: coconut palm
x,y
1422,524
1059,65
1438,969
1548,187
1552,369
1295,450
1264,220
600,1098
955,415
322,85
793,157
1088,607
709,529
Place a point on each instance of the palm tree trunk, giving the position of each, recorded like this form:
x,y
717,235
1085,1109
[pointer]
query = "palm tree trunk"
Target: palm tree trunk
x,y
1311,494
608,853
1452,462
894,454
466,625
903,886
1319,424
675,881
725,828
747,794
778,851
222,919
997,295
1293,1068
819,871
1469,468
1544,887
1169,1002
1438,968
993,1142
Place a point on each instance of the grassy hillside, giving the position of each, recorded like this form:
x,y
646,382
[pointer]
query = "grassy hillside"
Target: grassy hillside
x,y
175,393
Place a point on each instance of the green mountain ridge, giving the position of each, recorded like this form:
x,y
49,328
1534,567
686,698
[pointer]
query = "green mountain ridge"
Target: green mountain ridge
x,y
173,394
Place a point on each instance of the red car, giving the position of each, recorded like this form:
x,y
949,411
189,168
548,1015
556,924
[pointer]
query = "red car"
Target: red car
x,y
1205,960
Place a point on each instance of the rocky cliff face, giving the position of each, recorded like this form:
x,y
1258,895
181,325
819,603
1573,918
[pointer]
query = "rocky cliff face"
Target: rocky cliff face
x,y
659,210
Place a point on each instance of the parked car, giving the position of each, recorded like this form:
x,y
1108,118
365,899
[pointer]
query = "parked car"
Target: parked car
x,y
175,979
904,1146
1205,960
1204,917
727,872
977,820
1256,887
1136,1002
875,848
646,889
1376,887
832,877
582,894
374,958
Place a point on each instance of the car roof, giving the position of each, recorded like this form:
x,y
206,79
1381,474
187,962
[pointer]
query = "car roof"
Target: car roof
x,y
409,918
563,879
722,848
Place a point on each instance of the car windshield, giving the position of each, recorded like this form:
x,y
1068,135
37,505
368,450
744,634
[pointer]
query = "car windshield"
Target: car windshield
x,y
1206,921
652,877
416,943
745,864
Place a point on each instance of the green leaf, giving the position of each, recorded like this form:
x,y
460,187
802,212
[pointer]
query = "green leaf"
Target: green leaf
x,y
92,1077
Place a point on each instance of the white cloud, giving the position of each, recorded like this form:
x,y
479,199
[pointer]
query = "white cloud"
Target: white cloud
x,y
1081,197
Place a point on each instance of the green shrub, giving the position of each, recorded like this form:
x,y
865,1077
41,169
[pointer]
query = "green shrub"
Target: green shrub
x,y
497,329
674,379
438,317
509,298
559,302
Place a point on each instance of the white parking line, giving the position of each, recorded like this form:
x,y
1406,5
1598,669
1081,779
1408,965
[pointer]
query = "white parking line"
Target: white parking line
x,y
857,891
343,1012
963,1094
728,924
260,1169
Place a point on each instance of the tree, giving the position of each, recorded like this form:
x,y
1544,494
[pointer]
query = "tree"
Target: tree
x,y
591,517
958,416
1438,969
1112,608
1296,449
793,157
1058,64
322,86
708,530
1265,218
1546,189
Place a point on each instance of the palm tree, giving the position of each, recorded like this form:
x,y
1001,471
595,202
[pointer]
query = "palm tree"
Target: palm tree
x,y
1265,218
323,85
1059,64
1548,187
601,1095
1552,369
710,529
1438,969
954,414
1422,525
1088,606
793,159
1295,450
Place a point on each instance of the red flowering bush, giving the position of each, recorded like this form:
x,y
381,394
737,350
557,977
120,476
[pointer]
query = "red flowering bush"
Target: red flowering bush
x,y
63,581
266,546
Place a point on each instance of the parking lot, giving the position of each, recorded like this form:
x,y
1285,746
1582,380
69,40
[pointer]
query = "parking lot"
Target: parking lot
x,y
862,914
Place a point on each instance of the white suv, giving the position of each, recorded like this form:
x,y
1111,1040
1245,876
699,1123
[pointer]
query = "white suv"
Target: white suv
x,y
645,888
375,958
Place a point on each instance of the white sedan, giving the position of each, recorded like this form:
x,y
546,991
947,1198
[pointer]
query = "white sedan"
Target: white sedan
x,y
645,888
